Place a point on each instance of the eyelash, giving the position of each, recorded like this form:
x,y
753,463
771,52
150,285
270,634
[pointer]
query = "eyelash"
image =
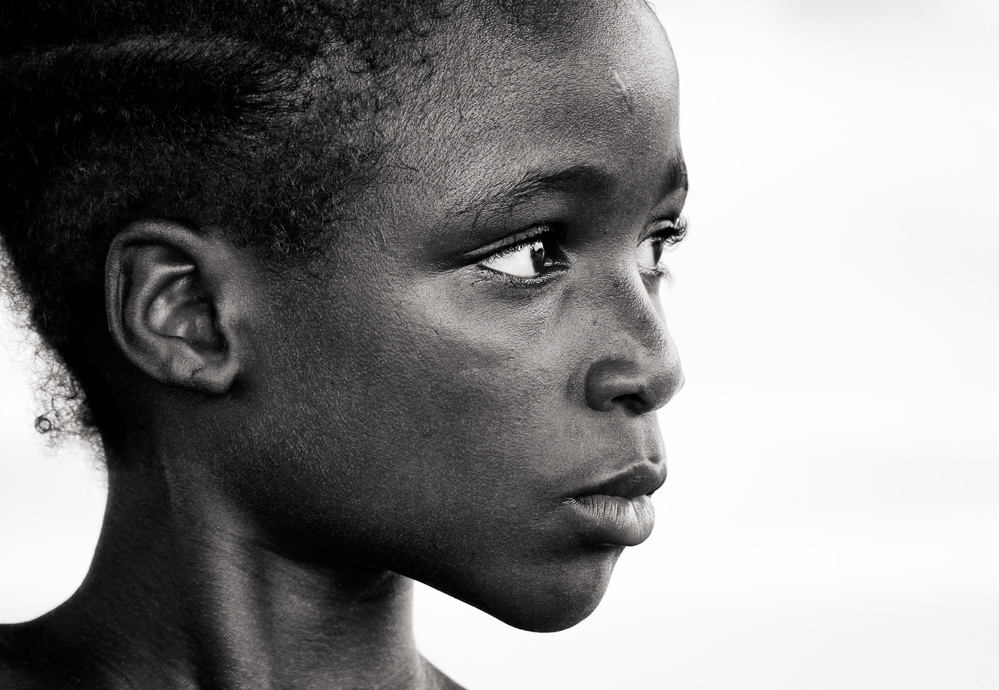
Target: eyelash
x,y
672,231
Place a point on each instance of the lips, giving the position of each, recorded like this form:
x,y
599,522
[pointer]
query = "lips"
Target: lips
x,y
641,480
619,510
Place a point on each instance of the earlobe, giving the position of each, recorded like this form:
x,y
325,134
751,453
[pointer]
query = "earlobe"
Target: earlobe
x,y
167,293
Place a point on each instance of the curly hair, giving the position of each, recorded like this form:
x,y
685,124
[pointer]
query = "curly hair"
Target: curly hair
x,y
209,113
258,118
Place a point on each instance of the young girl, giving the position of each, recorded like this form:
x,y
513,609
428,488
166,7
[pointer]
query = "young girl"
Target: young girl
x,y
355,293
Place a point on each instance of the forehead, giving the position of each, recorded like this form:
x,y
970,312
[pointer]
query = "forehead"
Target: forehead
x,y
503,101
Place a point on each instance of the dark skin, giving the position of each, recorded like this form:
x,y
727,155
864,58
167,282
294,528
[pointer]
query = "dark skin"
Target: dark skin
x,y
460,391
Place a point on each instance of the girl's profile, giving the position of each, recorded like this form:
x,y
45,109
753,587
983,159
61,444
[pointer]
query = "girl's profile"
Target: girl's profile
x,y
354,294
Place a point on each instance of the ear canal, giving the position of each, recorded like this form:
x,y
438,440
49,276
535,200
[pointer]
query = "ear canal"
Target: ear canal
x,y
182,310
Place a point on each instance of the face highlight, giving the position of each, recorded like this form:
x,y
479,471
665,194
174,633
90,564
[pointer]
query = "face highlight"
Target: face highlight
x,y
473,370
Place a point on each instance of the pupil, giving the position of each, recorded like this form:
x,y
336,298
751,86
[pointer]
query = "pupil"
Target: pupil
x,y
657,252
538,256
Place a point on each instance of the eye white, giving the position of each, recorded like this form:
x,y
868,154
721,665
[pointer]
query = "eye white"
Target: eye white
x,y
523,261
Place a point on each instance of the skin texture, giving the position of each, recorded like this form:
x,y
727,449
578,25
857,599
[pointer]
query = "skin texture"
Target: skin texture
x,y
399,408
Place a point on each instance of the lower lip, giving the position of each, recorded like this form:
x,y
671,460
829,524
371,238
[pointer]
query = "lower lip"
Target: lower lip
x,y
615,520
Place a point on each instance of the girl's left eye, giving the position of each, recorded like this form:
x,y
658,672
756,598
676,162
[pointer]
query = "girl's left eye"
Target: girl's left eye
x,y
528,259
650,252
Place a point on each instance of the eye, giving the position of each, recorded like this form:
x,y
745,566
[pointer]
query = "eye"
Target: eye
x,y
528,259
650,250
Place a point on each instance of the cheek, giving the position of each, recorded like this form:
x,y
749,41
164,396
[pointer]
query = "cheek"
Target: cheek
x,y
435,435
465,397
419,398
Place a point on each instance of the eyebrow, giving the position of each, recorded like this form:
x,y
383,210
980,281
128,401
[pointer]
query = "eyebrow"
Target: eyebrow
x,y
576,179
676,177
504,197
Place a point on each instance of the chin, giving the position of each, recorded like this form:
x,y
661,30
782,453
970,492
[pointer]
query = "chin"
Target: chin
x,y
555,597
549,616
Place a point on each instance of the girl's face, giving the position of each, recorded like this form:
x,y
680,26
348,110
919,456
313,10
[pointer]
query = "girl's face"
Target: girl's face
x,y
463,392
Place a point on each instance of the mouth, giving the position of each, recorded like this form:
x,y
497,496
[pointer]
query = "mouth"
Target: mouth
x,y
619,510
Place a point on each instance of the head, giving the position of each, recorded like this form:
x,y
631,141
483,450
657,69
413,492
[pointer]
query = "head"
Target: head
x,y
387,281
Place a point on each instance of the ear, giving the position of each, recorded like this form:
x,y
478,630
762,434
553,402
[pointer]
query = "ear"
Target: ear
x,y
174,300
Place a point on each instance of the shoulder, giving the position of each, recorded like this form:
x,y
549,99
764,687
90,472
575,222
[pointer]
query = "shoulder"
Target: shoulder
x,y
32,657
15,664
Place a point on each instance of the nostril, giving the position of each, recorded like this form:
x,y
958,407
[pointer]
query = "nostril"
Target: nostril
x,y
632,402
612,385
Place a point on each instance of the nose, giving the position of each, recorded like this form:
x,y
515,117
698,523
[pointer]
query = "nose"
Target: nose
x,y
614,385
639,369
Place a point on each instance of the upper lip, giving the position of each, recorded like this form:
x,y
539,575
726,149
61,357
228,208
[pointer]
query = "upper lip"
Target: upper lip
x,y
634,482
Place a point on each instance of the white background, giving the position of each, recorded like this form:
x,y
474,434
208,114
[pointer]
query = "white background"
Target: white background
x,y
832,514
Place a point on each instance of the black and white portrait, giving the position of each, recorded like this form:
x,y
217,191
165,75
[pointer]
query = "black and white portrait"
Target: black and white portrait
x,y
347,344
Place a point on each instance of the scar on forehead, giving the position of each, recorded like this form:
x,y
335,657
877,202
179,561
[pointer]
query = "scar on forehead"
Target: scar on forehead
x,y
622,90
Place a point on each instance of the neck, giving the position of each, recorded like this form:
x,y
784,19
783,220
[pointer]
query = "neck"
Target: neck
x,y
182,588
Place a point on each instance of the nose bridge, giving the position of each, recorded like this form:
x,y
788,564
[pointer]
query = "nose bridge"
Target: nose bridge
x,y
634,365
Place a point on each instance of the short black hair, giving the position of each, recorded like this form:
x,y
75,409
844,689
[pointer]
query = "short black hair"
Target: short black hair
x,y
204,112
259,118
